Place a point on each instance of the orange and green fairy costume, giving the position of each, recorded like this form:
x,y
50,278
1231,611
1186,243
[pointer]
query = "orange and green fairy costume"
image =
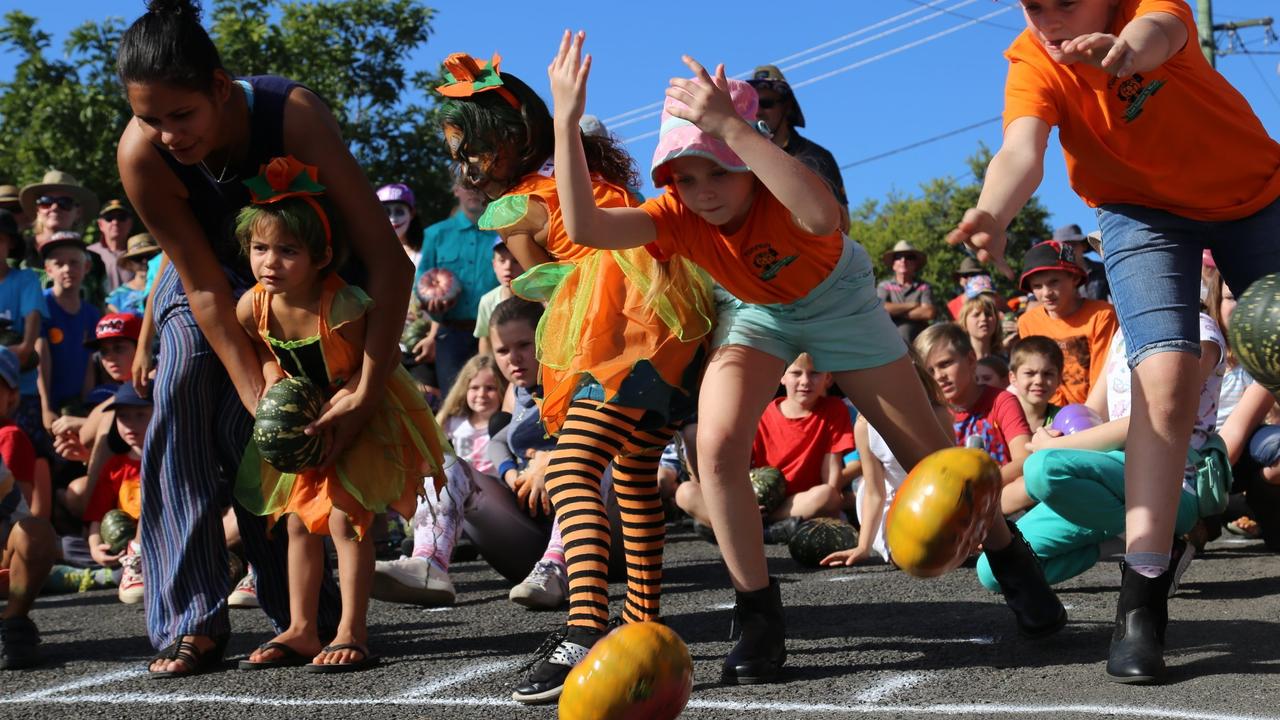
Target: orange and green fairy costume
x,y
602,338
385,464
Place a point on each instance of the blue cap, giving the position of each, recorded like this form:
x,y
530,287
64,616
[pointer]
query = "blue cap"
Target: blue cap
x,y
126,396
9,367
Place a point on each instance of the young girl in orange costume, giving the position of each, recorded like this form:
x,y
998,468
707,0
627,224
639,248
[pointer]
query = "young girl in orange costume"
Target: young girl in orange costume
x,y
621,346
307,322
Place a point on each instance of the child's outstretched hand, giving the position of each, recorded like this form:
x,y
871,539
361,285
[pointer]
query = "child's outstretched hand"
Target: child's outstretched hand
x,y
568,74
842,558
1102,50
981,231
710,106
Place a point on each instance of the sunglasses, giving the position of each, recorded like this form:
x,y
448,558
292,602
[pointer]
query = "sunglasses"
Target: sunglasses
x,y
116,217
63,203
903,256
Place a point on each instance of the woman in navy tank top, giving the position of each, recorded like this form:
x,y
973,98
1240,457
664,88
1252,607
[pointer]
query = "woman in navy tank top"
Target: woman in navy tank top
x,y
196,134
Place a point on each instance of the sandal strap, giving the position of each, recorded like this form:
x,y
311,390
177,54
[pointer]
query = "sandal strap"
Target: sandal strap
x,y
364,652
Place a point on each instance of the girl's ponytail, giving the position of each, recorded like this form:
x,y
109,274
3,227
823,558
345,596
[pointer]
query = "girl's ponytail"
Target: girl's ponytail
x,y
168,44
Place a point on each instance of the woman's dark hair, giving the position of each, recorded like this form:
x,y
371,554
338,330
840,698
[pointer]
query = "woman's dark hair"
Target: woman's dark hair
x,y
168,44
489,124
413,236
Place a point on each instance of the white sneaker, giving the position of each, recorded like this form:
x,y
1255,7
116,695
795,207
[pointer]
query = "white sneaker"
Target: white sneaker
x,y
412,580
130,592
246,593
546,588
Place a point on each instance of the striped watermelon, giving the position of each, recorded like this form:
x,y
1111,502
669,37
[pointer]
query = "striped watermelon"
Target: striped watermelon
x,y
285,410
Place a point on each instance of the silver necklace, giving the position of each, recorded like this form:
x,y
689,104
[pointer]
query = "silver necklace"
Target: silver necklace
x,y
222,176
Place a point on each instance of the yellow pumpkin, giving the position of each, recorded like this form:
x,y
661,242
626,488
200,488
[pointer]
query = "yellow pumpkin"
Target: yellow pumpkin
x,y
942,511
640,671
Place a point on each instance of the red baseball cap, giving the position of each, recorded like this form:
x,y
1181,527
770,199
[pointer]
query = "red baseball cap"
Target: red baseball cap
x,y
116,325
1050,255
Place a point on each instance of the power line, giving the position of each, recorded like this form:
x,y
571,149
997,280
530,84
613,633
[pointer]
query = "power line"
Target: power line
x,y
1261,77
918,143
967,17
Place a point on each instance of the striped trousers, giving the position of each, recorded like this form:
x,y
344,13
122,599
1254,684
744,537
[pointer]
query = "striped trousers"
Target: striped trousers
x,y
594,435
193,447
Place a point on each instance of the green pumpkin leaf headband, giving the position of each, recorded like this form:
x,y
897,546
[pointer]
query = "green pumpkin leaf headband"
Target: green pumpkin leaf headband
x,y
287,177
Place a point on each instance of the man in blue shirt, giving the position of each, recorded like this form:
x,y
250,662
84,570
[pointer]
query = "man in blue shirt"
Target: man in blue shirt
x,y
459,246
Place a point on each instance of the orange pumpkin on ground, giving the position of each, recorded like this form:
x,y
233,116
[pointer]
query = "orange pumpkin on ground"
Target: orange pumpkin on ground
x,y
942,511
640,671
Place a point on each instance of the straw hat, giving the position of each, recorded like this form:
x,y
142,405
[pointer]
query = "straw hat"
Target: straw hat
x,y
8,196
56,181
902,246
141,247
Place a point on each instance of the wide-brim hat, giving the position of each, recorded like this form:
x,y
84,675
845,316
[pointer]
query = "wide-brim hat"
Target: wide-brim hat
x,y
141,247
771,77
970,266
902,246
9,195
61,183
1050,255
680,138
1069,233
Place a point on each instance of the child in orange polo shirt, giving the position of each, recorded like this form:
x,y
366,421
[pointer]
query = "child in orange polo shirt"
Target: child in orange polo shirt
x,y
766,228
1081,327
1175,161
119,486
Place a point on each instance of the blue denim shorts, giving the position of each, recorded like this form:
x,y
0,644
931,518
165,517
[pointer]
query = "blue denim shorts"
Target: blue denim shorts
x,y
1153,260
841,323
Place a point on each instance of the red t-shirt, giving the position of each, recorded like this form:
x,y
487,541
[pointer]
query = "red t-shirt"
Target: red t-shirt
x,y
997,418
119,486
798,447
17,451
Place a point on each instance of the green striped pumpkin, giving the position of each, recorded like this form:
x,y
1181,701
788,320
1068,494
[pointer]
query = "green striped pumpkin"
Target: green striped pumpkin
x,y
819,537
117,529
285,410
770,487
1255,331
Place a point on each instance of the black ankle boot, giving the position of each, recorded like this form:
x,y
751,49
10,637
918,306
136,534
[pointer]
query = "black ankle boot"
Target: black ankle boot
x,y
1035,606
760,652
1142,612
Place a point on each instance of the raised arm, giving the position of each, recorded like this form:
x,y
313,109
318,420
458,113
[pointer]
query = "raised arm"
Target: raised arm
x,y
1012,177
802,191
1145,44
586,223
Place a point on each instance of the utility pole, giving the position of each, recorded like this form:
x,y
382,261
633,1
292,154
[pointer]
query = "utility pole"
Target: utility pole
x,y
1206,29
1204,23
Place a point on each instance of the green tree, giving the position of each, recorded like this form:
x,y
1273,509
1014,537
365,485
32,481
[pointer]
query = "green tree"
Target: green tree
x,y
925,219
353,53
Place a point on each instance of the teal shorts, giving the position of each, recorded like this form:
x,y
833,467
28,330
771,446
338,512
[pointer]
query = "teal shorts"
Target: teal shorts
x,y
841,323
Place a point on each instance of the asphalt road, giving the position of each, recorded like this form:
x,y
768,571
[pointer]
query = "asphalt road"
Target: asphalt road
x,y
867,641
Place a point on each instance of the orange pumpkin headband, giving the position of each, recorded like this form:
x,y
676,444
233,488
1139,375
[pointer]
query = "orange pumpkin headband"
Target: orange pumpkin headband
x,y
287,177
468,77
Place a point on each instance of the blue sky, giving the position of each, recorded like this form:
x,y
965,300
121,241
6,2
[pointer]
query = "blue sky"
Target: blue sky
x,y
873,75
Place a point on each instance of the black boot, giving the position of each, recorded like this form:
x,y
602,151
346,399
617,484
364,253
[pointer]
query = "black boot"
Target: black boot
x,y
761,651
1035,606
1137,645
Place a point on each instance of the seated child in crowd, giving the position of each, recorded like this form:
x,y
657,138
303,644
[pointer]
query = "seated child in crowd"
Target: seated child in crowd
x,y
473,400
131,295
805,435
990,414
27,550
1035,371
118,485
1081,327
992,371
506,268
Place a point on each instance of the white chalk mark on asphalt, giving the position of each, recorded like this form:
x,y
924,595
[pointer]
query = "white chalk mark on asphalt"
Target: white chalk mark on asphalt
x,y
84,682
723,606
446,608
884,689
846,578
458,678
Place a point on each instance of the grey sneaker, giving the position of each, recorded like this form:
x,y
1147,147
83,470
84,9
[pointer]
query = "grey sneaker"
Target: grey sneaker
x,y
412,580
546,587
1180,559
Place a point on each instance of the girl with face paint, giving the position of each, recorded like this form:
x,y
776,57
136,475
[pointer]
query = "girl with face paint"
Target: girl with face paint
x,y
397,199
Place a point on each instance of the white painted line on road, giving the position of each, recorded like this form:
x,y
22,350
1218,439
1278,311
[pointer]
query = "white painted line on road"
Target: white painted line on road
x,y
884,689
458,678
446,608
984,640
724,606
738,706
84,682
846,578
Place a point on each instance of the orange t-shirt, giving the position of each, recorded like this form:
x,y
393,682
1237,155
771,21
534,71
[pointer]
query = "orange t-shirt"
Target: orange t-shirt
x,y
119,487
1084,336
1179,138
768,260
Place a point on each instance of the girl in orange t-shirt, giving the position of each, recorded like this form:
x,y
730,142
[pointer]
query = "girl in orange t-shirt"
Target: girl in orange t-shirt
x,y
1174,161
767,229
620,355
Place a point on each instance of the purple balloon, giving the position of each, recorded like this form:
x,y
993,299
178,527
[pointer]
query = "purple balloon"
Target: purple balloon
x,y
1075,417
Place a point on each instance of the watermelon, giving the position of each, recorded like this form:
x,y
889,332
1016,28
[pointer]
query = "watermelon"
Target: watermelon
x,y
770,487
285,410
819,537
1255,331
117,529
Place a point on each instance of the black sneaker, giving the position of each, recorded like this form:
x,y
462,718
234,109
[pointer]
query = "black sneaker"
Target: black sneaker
x,y
559,653
18,640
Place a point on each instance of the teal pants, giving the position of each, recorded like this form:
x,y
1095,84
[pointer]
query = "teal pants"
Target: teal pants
x,y
1081,504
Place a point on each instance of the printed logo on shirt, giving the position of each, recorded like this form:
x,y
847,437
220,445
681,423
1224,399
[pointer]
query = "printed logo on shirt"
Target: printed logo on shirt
x,y
1079,362
55,335
1134,94
765,259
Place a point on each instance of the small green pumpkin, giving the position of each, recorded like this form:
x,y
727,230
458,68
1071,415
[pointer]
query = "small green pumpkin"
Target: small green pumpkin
x,y
770,487
117,529
819,537
286,409
1255,331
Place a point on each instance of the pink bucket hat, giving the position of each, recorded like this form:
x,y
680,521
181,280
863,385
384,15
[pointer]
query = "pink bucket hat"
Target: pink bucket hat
x,y
681,138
